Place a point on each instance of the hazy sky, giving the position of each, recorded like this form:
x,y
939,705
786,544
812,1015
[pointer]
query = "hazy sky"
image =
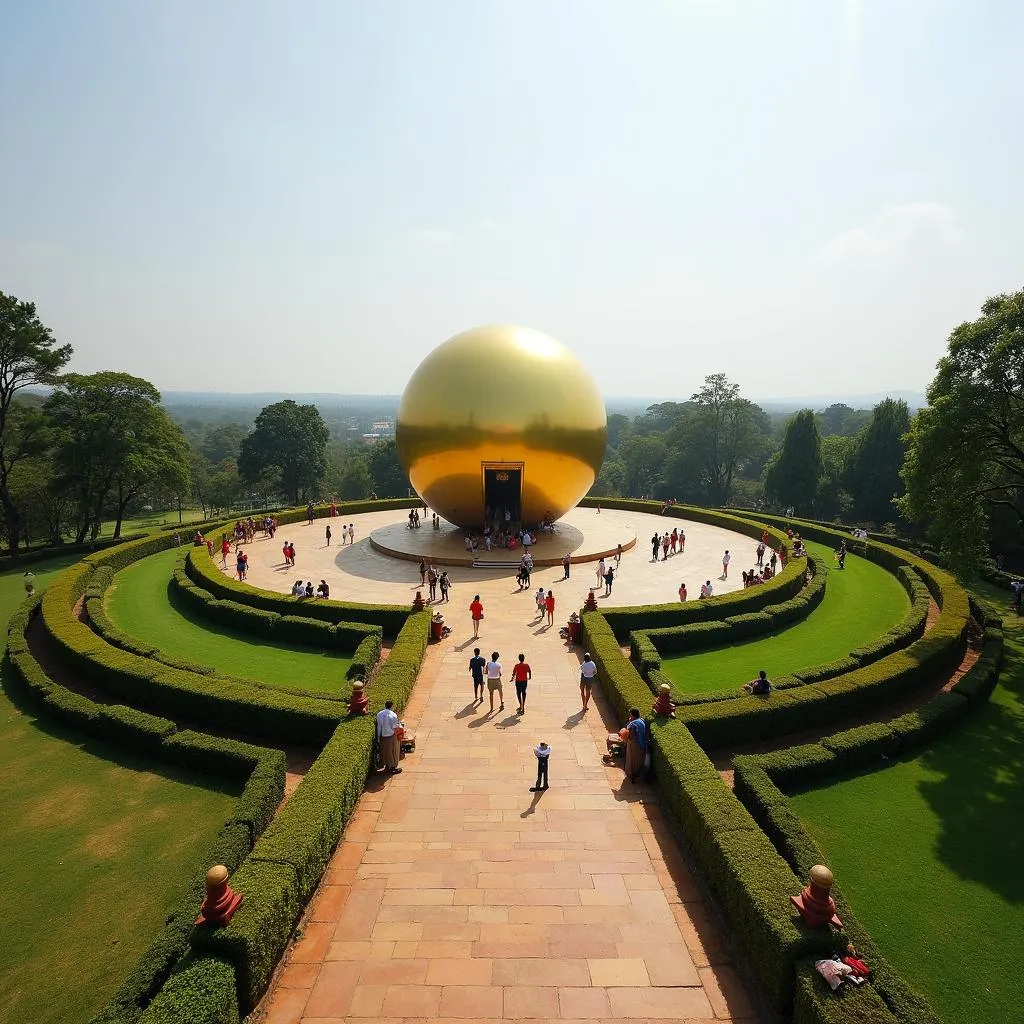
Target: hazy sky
x,y
250,196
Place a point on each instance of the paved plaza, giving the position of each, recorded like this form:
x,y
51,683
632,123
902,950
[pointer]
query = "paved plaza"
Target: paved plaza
x,y
459,894
359,573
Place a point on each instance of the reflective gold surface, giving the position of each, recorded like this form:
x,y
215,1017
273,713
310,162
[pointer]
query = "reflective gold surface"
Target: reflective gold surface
x,y
496,395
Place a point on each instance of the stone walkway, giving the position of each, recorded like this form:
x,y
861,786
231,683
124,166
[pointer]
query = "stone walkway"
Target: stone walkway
x,y
457,894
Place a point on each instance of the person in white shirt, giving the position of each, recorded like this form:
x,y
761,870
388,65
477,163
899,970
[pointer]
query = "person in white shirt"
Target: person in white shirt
x,y
387,723
588,669
600,573
726,559
493,672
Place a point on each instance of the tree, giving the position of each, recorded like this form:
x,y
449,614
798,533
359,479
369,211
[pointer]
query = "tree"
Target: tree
x,y
223,442
965,452
354,482
644,461
29,355
114,443
291,441
876,462
388,477
834,500
793,474
724,431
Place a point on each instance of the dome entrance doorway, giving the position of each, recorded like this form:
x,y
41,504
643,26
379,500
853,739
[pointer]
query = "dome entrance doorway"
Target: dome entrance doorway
x,y
503,491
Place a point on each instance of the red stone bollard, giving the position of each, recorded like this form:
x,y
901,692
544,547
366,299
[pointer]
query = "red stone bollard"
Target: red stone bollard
x,y
221,900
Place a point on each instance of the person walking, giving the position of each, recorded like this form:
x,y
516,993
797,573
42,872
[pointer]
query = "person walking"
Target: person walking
x,y
600,573
664,547
225,550
387,737
493,670
539,599
521,675
476,669
760,555
587,672
351,533
682,542
618,554
566,562
542,752
549,607
476,611
726,559
446,585
423,572
327,534
609,578
682,591
655,544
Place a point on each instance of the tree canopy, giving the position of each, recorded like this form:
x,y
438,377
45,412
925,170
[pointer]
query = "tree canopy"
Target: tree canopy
x,y
965,458
289,441
794,474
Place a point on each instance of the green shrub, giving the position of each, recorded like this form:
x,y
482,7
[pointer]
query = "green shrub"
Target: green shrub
x,y
201,991
751,624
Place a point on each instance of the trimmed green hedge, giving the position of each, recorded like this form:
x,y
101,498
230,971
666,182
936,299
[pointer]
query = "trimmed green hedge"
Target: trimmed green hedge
x,y
647,647
787,584
262,769
359,637
289,859
816,1003
205,574
200,991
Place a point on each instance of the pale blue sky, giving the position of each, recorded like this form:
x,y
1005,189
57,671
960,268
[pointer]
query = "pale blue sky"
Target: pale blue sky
x,y
807,196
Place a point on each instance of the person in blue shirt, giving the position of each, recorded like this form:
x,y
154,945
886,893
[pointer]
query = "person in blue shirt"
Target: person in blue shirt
x,y
636,745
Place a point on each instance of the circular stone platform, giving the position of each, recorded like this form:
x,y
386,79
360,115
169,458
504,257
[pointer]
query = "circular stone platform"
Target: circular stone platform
x,y
582,532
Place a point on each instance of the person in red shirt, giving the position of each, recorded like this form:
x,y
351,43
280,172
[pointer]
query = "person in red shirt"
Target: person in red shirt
x,y
476,610
549,606
225,550
521,673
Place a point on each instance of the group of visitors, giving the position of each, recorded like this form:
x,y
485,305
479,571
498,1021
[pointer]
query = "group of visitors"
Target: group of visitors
x,y
300,589
288,550
525,570
668,543
431,578
347,533
545,605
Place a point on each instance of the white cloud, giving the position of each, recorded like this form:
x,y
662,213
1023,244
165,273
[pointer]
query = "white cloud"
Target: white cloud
x,y
892,233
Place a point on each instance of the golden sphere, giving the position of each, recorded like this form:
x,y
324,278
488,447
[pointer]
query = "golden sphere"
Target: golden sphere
x,y
505,418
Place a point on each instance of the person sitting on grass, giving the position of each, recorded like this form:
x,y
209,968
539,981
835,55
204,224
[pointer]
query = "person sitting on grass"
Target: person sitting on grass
x,y
298,590
759,687
323,591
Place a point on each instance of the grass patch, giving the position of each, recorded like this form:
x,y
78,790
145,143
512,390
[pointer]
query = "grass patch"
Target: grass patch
x,y
928,852
97,848
141,603
861,603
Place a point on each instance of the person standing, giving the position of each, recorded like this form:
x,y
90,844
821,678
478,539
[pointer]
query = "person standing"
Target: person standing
x,y
566,562
600,572
521,675
542,752
682,542
476,669
387,737
539,599
309,514
493,670
636,745
760,555
664,547
618,554
726,559
609,578
327,534
351,533
773,561
587,672
225,550
682,591
476,611
549,607
655,544
446,585
423,572
432,582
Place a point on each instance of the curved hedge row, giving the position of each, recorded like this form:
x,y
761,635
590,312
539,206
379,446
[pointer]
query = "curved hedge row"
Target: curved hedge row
x,y
202,571
648,646
176,692
365,640
262,770
782,587
759,780
286,864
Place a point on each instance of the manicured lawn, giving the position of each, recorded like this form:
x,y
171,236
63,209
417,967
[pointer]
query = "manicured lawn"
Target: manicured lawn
x,y
96,849
861,603
929,852
141,604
